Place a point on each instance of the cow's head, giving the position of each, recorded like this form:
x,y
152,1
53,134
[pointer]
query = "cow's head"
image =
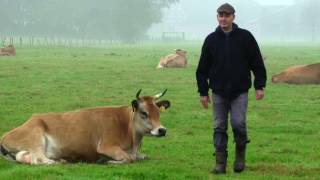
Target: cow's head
x,y
275,79
147,114
181,52
280,77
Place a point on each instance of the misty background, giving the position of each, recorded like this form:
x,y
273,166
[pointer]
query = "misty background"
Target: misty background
x,y
141,20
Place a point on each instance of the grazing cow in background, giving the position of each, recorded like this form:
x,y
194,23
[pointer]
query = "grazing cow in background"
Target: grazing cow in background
x,y
299,74
178,59
110,134
9,50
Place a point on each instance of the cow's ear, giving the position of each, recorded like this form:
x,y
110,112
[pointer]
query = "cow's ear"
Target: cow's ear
x,y
163,103
135,104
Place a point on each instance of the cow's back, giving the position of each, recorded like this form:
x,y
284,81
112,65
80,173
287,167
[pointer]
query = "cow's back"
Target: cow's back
x,y
314,69
78,133
179,61
175,60
8,50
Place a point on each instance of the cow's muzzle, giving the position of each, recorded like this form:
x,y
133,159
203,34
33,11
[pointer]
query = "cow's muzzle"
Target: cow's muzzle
x,y
159,132
162,132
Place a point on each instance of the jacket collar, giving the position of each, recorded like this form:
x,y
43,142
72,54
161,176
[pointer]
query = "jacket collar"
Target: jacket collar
x,y
234,28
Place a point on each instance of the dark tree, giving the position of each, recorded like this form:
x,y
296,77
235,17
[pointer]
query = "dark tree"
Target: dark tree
x,y
125,20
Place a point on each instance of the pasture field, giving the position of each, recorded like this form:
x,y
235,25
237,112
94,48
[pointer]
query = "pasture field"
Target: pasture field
x,y
283,128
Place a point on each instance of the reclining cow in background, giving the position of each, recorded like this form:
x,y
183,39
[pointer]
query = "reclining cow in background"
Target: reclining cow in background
x,y
299,74
110,134
9,50
178,59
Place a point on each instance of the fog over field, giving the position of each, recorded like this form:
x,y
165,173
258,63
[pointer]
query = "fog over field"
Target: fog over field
x,y
272,20
132,21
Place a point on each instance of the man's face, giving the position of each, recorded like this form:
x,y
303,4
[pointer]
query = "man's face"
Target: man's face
x,y
225,20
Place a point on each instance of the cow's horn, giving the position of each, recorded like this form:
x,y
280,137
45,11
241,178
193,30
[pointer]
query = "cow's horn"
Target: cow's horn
x,y
161,94
138,94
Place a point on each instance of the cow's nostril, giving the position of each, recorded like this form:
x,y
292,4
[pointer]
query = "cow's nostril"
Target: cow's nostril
x,y
162,131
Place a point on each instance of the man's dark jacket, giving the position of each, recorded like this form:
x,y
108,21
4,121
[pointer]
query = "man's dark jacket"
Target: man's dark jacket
x,y
226,61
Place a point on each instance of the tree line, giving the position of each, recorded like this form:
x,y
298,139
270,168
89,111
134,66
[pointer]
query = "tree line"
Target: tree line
x,y
124,20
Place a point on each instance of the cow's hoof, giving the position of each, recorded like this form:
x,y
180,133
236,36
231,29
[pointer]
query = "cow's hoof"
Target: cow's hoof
x,y
142,157
118,162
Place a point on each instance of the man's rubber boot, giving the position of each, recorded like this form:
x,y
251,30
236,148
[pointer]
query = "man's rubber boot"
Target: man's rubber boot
x,y
221,162
239,163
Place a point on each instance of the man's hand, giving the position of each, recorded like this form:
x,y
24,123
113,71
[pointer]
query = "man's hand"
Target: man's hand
x,y
205,100
259,94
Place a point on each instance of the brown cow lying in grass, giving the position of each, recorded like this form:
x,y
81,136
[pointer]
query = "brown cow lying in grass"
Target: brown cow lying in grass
x,y
8,51
110,134
178,59
299,74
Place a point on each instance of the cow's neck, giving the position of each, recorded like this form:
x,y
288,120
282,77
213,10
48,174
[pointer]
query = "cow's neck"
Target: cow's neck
x,y
136,134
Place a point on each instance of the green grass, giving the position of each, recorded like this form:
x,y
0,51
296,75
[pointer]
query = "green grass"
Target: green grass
x,y
283,128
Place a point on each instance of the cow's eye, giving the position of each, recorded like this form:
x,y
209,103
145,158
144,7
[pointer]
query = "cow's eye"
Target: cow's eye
x,y
144,114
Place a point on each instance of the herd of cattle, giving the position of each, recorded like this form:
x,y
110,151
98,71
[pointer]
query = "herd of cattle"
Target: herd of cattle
x,y
110,134
299,74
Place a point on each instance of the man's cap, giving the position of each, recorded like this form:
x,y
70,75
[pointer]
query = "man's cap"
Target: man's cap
x,y
226,8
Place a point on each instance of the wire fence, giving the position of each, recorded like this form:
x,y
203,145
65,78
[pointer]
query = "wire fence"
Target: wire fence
x,y
53,42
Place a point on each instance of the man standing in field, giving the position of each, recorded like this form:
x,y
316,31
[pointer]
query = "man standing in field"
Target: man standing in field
x,y
228,56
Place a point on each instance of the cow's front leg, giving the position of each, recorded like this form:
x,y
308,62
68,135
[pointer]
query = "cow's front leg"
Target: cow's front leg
x,y
137,155
117,155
